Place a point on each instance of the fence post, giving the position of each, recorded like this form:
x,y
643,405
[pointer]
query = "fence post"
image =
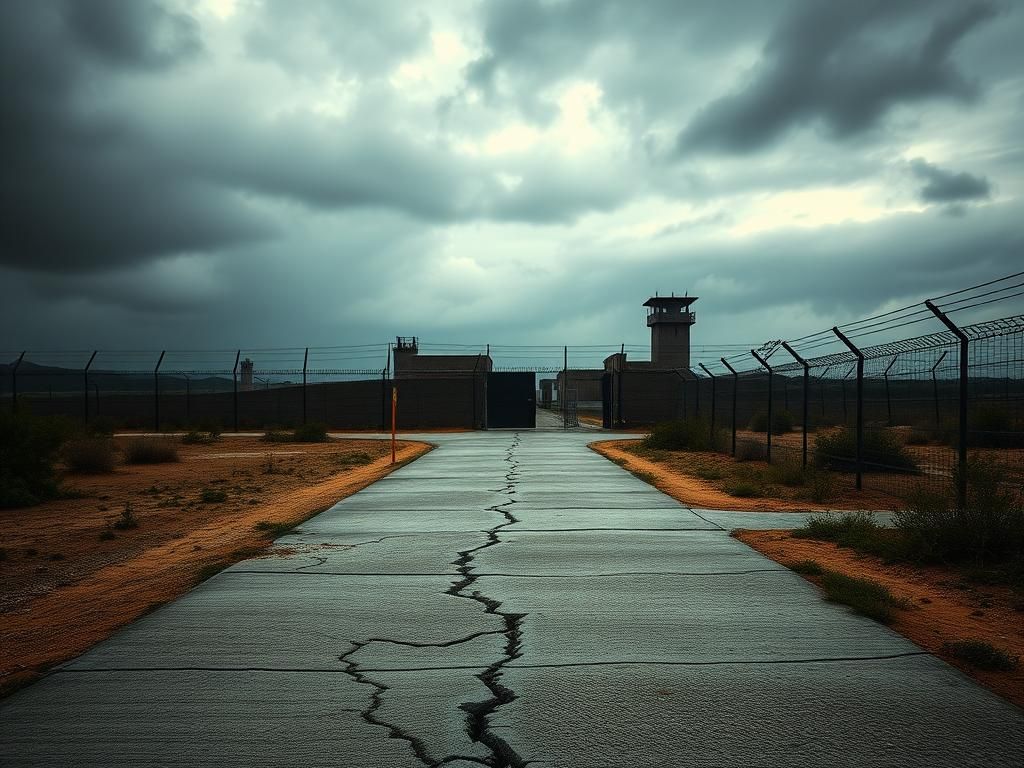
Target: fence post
x,y
188,400
806,393
860,403
156,391
383,399
764,361
564,396
14,383
85,386
476,365
735,386
961,484
821,388
935,388
305,360
234,383
618,385
842,384
713,401
888,398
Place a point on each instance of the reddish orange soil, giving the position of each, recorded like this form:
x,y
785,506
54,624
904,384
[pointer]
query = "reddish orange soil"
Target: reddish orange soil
x,y
945,607
65,588
675,477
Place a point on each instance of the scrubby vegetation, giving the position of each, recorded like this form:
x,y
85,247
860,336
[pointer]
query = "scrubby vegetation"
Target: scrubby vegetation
x,y
90,455
782,422
195,437
213,496
29,448
993,426
866,597
149,450
680,435
751,450
982,655
882,451
307,433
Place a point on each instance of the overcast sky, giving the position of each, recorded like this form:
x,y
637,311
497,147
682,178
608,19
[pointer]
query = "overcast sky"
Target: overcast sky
x,y
225,173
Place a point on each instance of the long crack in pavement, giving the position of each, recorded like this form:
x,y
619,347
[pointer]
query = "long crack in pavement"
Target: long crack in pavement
x,y
477,713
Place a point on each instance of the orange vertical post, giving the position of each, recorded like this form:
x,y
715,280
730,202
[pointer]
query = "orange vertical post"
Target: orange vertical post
x,y
394,410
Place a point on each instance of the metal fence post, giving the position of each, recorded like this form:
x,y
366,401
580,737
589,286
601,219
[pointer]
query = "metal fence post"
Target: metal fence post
x,y
85,386
156,391
565,385
961,484
888,397
935,388
860,403
234,385
188,400
713,400
14,383
806,393
305,360
735,387
764,361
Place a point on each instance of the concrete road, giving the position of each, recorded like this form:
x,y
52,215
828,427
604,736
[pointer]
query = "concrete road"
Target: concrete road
x,y
509,599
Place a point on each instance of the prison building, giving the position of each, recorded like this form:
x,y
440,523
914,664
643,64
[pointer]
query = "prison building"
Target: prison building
x,y
410,364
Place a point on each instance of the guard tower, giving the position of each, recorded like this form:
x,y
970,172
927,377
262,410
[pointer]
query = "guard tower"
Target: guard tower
x,y
670,318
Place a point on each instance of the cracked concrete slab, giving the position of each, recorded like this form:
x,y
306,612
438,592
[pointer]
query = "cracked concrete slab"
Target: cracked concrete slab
x,y
412,552
586,553
283,621
187,718
567,621
914,711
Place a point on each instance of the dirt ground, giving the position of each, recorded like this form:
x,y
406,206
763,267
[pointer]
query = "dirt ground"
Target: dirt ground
x,y
946,608
676,477
70,578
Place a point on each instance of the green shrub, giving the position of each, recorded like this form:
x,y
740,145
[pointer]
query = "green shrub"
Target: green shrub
x,y
276,436
808,567
310,433
359,458
127,520
882,451
89,455
821,485
195,437
788,472
856,530
866,597
213,496
751,450
982,655
782,422
988,528
273,530
743,489
149,450
680,435
29,447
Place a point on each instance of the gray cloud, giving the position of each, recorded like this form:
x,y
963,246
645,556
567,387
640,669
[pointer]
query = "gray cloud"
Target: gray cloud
x,y
127,32
838,64
942,186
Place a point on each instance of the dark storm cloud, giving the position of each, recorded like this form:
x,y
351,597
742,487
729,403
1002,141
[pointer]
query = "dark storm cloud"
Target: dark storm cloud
x,y
838,64
133,33
82,188
942,186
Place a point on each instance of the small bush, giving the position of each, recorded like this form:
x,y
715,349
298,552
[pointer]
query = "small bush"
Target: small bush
x,y
357,459
310,433
276,436
107,534
89,455
808,567
149,450
127,520
199,438
273,530
789,473
680,435
213,496
989,528
29,447
821,485
866,597
857,530
743,489
751,450
882,451
782,422
982,655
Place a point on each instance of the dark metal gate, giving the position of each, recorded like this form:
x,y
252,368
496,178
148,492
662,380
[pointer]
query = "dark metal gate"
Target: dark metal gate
x,y
606,401
511,400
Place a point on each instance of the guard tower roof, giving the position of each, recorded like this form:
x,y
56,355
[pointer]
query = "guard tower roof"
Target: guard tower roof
x,y
661,301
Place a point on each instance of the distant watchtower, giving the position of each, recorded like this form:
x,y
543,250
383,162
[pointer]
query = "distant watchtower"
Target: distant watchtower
x,y
670,318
